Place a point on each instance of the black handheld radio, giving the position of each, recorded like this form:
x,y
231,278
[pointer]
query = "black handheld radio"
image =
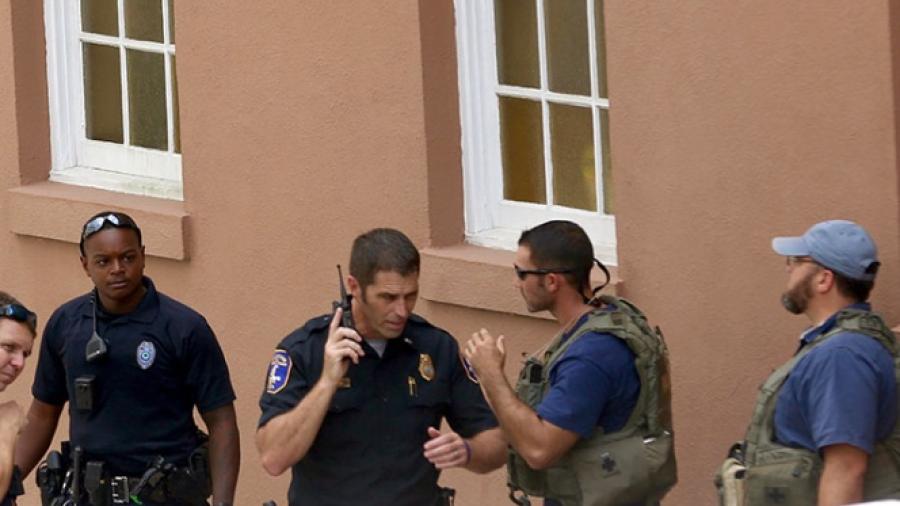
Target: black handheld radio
x,y
344,303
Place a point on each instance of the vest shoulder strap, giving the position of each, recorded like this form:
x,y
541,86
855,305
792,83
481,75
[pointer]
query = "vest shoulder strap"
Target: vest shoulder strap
x,y
761,431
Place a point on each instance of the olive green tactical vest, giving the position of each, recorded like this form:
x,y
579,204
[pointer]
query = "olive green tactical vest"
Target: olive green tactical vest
x,y
633,465
788,476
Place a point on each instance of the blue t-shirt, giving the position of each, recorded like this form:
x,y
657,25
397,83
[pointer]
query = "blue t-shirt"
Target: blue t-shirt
x,y
841,392
593,384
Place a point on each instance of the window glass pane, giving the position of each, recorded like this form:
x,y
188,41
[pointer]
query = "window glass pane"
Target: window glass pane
x,y
147,99
102,93
608,192
143,20
171,23
572,144
100,16
523,150
600,25
567,46
517,43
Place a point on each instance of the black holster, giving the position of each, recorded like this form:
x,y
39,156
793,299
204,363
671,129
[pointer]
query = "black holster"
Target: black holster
x,y
448,496
50,476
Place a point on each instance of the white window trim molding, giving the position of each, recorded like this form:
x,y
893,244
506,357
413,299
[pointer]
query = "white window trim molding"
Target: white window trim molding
x,y
492,221
84,162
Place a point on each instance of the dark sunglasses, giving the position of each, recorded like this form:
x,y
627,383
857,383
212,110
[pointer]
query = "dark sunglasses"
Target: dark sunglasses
x,y
521,273
115,219
19,313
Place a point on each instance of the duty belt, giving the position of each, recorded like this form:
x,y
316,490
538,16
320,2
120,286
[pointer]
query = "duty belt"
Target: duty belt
x,y
64,481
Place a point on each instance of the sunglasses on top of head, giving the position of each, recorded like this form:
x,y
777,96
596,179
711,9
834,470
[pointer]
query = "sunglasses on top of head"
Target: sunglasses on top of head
x,y
18,313
117,220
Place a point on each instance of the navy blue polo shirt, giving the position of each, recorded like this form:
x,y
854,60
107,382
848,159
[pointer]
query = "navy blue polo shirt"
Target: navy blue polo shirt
x,y
594,384
163,359
841,392
369,448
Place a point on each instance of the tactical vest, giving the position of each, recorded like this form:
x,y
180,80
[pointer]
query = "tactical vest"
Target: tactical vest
x,y
785,476
635,465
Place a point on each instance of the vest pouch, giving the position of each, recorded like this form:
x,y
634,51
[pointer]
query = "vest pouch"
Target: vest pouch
x,y
883,472
530,387
782,477
630,470
659,456
556,482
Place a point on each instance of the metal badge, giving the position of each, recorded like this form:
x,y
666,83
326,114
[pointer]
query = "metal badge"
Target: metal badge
x,y
279,372
146,354
426,367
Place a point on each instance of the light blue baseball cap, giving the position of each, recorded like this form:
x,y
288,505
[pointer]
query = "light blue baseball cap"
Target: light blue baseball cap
x,y
839,245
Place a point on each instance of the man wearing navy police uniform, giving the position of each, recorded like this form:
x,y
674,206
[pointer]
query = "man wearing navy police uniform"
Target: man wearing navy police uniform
x,y
132,364
354,410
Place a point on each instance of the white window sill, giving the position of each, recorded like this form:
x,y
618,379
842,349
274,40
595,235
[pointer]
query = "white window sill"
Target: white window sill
x,y
119,182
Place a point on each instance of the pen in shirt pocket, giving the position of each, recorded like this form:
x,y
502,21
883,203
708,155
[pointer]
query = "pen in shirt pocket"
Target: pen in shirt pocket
x,y
413,388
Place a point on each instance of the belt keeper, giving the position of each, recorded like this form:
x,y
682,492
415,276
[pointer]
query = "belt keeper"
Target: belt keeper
x,y
119,490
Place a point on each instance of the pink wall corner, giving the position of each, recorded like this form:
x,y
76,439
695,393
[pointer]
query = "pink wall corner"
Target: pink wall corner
x,y
30,74
440,91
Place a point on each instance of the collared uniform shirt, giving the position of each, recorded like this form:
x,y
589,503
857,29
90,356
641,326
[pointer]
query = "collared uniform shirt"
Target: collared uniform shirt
x,y
163,359
369,449
842,392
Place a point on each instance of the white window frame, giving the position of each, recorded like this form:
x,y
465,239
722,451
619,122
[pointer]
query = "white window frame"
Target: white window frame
x,y
491,220
81,161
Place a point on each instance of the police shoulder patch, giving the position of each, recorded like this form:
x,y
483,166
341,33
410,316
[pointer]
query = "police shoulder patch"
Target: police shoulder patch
x,y
470,371
279,372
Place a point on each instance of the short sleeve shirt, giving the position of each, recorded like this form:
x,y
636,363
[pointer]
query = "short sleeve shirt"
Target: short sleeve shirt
x,y
370,445
841,392
162,360
605,364
594,384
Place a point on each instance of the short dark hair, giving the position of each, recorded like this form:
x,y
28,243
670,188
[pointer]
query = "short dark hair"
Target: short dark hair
x,y
8,300
382,249
124,220
856,289
561,244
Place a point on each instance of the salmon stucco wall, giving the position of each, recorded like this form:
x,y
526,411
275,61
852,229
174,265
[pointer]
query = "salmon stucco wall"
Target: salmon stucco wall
x,y
733,123
304,124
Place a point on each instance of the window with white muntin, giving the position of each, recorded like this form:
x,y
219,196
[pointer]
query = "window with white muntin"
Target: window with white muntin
x,y
534,105
113,95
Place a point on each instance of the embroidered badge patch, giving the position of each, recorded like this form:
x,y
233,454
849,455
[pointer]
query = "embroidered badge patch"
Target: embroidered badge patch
x,y
279,372
146,354
426,367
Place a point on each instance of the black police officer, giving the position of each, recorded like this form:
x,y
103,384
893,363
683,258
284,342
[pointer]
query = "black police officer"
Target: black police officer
x,y
132,363
367,432
17,331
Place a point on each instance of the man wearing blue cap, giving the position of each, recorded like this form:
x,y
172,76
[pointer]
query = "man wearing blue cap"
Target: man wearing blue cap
x,y
824,429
